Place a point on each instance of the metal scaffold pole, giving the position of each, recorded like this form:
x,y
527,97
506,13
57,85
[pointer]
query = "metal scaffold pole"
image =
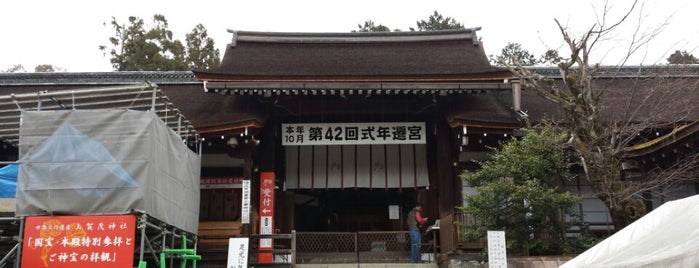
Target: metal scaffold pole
x,y
142,225
20,240
154,97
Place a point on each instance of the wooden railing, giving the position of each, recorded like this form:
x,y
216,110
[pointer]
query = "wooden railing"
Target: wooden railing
x,y
323,247
354,247
218,232
460,221
284,251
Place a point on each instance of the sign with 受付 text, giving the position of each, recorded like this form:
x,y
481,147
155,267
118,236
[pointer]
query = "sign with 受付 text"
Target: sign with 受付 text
x,y
353,133
79,241
266,215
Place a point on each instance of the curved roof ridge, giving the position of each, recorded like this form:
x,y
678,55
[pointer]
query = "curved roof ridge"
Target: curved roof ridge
x,y
353,37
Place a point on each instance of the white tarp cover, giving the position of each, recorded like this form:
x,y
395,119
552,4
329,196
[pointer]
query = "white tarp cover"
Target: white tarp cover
x,y
666,237
91,162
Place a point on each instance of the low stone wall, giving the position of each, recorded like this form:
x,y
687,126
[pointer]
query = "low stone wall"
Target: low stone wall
x,y
512,262
537,261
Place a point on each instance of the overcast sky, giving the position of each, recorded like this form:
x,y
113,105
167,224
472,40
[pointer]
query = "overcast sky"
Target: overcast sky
x,y
67,33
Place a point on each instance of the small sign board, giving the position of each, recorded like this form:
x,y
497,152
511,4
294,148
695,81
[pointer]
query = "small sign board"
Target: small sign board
x,y
220,182
266,225
245,204
393,212
237,252
497,251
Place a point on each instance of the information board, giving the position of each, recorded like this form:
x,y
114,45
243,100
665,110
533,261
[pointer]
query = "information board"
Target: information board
x,y
393,212
497,250
220,183
79,241
237,252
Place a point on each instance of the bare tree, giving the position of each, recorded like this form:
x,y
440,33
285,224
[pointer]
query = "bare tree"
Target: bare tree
x,y
605,111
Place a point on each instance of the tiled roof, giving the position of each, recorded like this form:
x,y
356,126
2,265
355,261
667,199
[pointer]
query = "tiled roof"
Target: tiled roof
x,y
455,55
205,110
96,78
187,77
679,70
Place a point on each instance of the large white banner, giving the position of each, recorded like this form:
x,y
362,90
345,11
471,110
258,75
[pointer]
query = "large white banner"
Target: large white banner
x,y
353,133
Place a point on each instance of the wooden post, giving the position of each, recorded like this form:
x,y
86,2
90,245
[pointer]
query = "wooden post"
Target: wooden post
x,y
293,248
445,182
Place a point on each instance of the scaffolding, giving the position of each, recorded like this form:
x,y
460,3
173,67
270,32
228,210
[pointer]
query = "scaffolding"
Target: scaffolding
x,y
11,237
154,235
158,238
143,97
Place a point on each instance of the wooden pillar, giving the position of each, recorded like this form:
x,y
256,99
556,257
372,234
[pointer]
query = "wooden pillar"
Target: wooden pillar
x,y
285,211
446,182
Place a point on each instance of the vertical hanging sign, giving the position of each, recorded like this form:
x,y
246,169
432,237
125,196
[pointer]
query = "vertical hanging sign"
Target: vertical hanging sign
x,y
266,214
245,204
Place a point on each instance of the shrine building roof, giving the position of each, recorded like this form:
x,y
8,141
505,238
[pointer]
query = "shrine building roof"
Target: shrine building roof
x,y
433,56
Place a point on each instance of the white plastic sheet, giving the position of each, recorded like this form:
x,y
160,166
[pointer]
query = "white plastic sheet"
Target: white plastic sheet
x,y
666,237
87,162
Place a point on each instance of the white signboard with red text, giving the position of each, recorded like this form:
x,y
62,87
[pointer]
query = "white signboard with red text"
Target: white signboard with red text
x,y
266,214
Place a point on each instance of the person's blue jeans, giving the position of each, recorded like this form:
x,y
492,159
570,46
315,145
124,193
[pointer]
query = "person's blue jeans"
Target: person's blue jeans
x,y
415,246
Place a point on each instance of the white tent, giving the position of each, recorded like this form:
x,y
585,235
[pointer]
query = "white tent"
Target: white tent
x,y
667,237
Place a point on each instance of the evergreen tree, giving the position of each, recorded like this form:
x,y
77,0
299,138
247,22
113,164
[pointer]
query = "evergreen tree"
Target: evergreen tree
x,y
518,191
138,47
